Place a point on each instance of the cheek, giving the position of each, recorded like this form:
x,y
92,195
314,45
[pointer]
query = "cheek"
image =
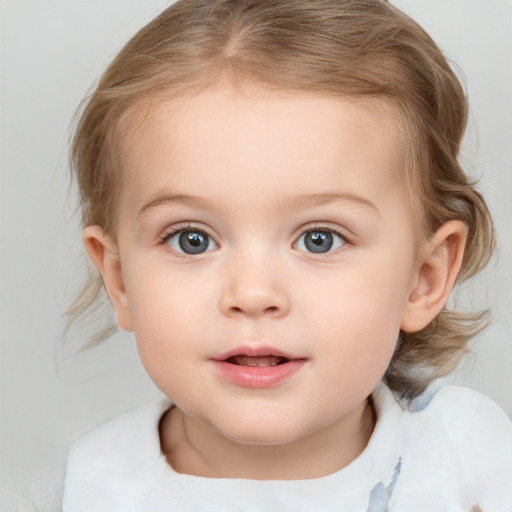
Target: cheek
x,y
359,309
369,292
163,315
355,343
168,345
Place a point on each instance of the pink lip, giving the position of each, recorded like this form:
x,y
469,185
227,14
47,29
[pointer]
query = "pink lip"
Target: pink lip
x,y
257,376
256,350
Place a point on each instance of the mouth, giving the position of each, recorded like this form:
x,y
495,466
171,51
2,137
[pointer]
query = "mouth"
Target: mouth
x,y
257,361
257,367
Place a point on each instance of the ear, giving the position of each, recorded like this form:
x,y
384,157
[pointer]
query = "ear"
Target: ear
x,y
439,266
104,253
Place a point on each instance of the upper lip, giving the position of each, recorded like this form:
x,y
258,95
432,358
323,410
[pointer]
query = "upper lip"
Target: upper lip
x,y
255,351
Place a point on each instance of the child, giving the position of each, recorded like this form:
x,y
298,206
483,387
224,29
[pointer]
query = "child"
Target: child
x,y
271,193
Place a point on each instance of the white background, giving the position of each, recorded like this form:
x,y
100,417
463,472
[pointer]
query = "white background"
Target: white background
x,y
51,52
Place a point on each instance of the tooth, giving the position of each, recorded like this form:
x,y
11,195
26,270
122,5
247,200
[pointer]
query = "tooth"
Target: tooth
x,y
257,361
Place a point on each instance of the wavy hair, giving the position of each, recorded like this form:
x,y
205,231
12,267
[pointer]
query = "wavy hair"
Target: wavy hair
x,y
348,48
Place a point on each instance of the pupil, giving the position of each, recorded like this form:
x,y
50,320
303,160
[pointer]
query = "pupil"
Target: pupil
x,y
193,242
319,241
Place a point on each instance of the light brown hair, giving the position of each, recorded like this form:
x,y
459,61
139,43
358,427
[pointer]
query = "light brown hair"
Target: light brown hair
x,y
354,49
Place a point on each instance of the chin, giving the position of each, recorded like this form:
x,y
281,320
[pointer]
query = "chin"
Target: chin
x,y
262,441
264,433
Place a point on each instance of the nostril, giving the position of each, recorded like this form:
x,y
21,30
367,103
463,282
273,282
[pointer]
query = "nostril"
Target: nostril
x,y
271,310
254,301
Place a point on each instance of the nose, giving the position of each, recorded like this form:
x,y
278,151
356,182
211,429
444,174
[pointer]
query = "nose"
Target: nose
x,y
255,289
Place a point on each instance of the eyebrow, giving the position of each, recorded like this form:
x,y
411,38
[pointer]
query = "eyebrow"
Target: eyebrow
x,y
309,200
293,203
164,198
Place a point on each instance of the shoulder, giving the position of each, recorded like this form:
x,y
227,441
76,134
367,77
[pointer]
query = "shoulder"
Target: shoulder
x,y
113,455
459,443
470,423
116,437
460,412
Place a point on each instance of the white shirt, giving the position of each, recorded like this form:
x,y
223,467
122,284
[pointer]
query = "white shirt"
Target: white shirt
x,y
446,452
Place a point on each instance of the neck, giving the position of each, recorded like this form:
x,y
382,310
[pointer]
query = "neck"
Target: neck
x,y
194,448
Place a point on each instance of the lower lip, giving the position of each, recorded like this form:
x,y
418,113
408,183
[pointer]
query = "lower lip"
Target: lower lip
x,y
258,376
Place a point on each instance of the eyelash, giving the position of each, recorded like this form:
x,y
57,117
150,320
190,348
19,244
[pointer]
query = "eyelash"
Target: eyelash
x,y
187,226
329,229
319,227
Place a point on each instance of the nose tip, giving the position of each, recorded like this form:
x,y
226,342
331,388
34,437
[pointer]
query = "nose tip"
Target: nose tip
x,y
254,294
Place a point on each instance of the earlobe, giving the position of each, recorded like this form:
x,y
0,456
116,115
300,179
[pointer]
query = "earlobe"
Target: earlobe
x,y
104,253
439,266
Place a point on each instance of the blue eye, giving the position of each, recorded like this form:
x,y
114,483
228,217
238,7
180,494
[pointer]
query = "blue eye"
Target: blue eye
x,y
191,242
319,241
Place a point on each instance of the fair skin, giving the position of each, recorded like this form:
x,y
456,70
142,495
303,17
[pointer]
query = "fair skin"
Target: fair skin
x,y
266,260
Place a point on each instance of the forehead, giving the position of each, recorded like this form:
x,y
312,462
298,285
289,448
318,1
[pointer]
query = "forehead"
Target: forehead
x,y
259,138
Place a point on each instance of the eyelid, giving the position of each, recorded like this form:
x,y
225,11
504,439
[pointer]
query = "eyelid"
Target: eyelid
x,y
327,226
186,226
316,226
319,226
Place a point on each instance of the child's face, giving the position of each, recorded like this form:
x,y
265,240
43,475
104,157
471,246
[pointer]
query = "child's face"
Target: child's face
x,y
270,225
